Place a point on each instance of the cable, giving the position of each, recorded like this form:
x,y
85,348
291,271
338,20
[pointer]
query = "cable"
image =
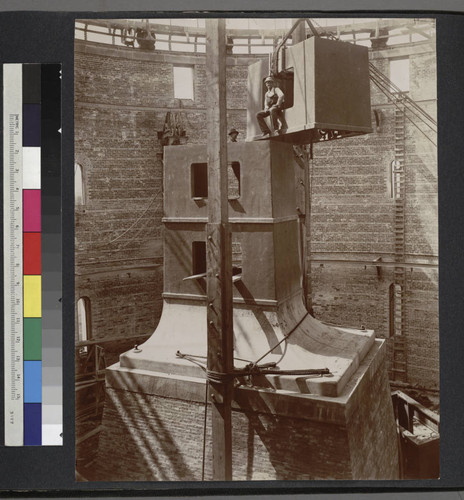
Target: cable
x,y
280,342
383,77
133,224
205,357
189,357
387,94
253,368
204,432
384,85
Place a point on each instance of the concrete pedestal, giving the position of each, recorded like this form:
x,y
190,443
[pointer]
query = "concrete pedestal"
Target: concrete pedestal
x,y
154,428
339,425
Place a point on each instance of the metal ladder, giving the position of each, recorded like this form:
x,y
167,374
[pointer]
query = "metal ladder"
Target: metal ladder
x,y
399,359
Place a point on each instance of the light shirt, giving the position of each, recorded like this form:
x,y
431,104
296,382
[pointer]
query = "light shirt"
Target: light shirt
x,y
273,97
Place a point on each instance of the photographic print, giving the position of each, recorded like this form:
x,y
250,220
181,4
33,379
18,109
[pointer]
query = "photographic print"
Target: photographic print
x,y
256,249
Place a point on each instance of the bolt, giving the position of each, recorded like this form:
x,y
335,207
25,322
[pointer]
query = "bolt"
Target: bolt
x,y
210,238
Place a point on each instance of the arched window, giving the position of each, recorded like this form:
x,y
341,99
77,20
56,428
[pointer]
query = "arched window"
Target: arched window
x,y
79,185
83,322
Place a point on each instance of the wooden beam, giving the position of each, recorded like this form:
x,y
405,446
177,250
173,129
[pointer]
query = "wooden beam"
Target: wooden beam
x,y
219,253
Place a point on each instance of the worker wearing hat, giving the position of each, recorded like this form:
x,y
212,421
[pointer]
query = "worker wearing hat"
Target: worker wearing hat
x,y
233,133
273,102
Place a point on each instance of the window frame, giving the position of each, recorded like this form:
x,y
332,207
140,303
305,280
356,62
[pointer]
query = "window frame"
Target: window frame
x,y
192,68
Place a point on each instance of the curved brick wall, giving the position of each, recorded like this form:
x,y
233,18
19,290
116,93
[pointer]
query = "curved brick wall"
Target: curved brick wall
x,y
121,100
122,97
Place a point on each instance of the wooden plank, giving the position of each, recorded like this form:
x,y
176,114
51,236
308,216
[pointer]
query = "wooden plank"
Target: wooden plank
x,y
219,251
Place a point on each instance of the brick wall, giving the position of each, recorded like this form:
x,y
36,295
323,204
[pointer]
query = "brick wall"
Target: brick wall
x,y
121,100
160,438
274,435
373,422
352,222
122,97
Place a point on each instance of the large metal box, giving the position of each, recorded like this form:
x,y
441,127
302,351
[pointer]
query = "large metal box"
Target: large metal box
x,y
326,87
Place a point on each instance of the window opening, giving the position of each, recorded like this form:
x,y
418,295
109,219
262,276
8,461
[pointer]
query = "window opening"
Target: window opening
x,y
286,84
183,82
79,187
198,257
234,180
285,81
399,74
199,180
83,323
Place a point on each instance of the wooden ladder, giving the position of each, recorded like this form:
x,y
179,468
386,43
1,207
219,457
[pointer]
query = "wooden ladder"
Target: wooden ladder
x,y
399,361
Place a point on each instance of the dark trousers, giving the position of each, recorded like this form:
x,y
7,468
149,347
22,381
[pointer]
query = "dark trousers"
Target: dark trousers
x,y
275,112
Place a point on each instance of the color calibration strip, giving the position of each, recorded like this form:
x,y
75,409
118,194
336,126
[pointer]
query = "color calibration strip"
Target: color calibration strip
x,y
32,254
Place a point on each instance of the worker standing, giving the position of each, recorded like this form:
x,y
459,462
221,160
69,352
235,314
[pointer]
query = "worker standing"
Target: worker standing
x,y
233,134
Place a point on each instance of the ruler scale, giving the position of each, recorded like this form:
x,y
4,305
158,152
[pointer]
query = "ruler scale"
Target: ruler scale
x,y
32,254
13,246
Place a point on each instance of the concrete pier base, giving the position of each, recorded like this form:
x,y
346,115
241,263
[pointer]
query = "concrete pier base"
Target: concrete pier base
x,y
154,428
285,426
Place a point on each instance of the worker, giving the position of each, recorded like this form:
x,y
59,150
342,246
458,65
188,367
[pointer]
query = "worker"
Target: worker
x,y
233,134
273,103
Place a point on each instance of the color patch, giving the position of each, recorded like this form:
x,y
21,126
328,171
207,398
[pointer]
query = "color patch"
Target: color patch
x,y
32,83
31,168
52,352
32,296
33,348
32,424
31,253
32,381
31,125
32,343
31,210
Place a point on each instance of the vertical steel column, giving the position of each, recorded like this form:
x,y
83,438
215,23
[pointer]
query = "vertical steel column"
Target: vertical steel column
x,y
299,35
219,253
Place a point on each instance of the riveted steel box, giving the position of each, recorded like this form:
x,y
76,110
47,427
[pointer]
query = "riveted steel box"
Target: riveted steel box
x,y
326,87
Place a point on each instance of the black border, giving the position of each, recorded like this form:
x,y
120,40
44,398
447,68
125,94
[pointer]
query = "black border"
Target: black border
x,y
48,37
